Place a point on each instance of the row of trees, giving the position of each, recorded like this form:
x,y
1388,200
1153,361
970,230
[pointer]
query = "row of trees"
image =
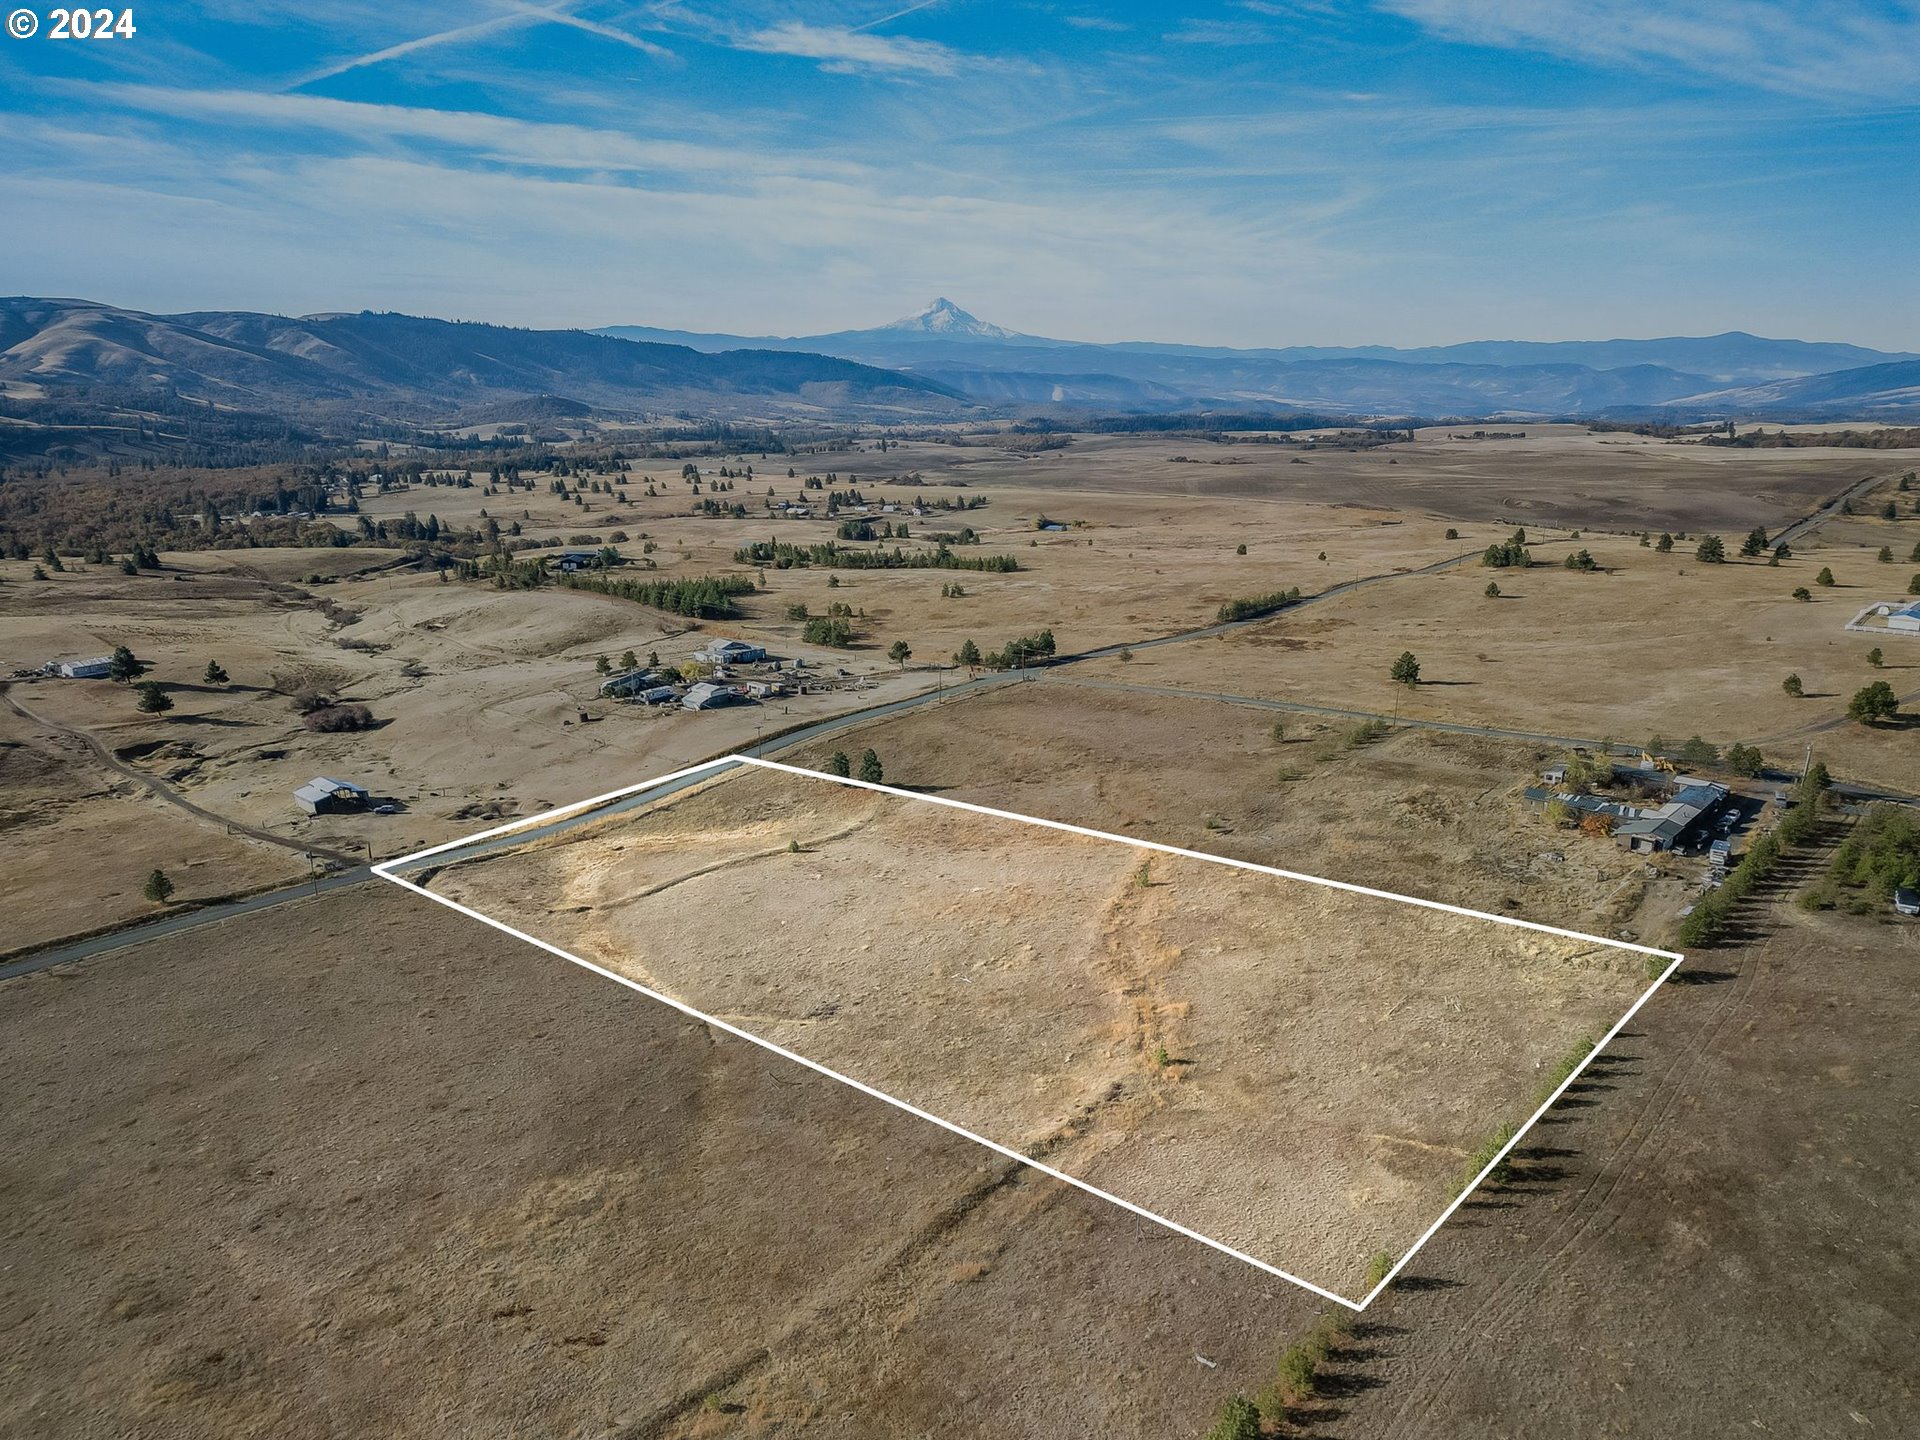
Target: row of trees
x,y
782,556
1252,606
1712,913
1016,654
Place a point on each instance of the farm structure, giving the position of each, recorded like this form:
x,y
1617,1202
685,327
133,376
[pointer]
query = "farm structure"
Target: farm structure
x,y
324,796
1642,829
97,668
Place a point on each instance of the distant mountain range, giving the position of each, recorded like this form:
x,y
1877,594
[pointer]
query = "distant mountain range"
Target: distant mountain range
x,y
413,369
1708,376
940,363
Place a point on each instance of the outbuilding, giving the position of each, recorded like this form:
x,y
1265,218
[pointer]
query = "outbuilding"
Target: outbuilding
x,y
324,796
98,668
1907,617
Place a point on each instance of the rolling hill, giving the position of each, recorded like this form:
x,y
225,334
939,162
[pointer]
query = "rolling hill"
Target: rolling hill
x,y
413,367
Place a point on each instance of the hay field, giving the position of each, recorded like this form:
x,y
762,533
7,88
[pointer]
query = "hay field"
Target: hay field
x,y
1296,1071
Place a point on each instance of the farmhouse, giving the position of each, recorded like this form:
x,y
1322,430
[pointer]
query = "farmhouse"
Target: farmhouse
x,y
572,560
94,669
731,652
322,796
1663,827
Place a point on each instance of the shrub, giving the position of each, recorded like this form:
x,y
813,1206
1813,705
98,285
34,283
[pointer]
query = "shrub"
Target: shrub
x,y
1298,1374
333,719
1239,1419
1825,577
1379,1266
1493,590
1452,534
1800,592
1483,1157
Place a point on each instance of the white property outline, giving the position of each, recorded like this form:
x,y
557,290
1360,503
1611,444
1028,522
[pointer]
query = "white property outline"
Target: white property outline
x,y
386,868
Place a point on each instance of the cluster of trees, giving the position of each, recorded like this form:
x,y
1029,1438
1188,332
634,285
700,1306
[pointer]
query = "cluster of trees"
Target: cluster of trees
x,y
1581,560
1713,911
1252,606
705,597
1508,554
871,770
782,556
1873,704
1881,856
1016,654
831,630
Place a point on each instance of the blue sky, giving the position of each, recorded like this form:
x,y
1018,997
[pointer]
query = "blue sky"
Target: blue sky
x,y
1251,173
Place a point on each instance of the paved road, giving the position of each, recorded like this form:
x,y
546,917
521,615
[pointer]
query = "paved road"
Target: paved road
x,y
161,790
173,924
1793,533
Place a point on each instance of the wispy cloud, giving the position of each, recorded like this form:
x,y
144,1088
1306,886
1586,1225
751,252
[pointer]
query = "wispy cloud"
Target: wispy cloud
x,y
1097,22
451,36
515,17
1218,32
1830,48
839,47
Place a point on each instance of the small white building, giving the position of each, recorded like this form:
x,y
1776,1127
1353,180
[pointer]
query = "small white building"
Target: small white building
x,y
98,668
324,796
1906,617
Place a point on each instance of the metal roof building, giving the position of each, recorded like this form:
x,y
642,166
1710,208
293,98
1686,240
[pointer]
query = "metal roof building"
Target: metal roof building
x,y
323,796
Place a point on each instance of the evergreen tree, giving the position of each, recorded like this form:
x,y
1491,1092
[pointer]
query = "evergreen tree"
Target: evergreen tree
x,y
1406,669
870,770
158,889
216,673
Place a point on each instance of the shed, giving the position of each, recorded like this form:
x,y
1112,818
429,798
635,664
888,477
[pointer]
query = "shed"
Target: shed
x,y
324,796
98,668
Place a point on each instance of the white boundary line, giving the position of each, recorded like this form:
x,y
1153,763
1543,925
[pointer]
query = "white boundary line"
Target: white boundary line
x,y
386,868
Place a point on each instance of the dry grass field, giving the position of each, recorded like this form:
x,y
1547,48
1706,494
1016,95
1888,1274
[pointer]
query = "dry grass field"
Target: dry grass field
x,y
356,1165
1658,645
407,1176
1150,1030
364,1167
